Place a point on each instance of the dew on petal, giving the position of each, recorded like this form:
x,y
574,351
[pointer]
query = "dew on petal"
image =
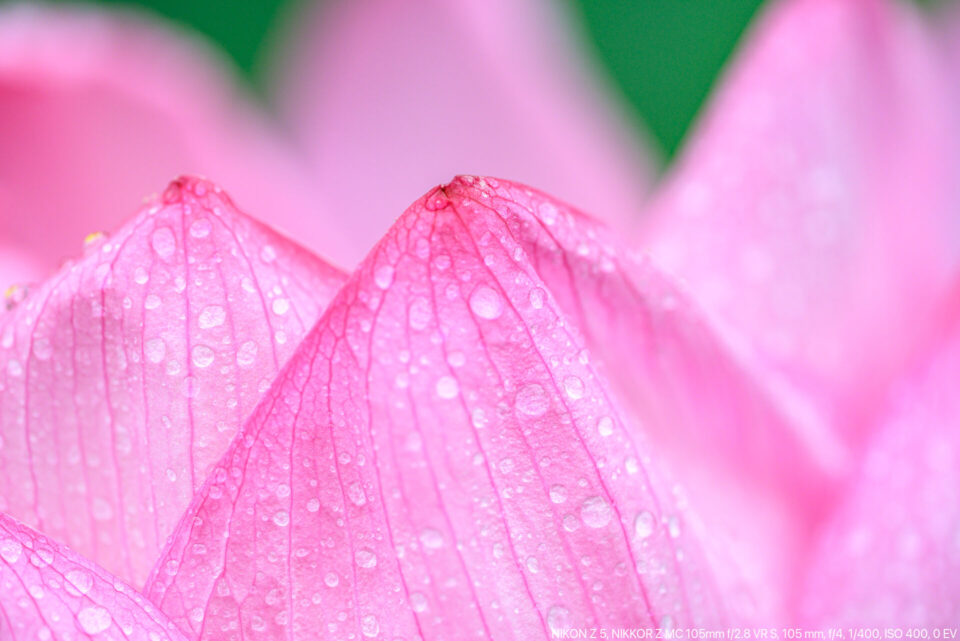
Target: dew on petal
x,y
202,356
163,242
383,276
644,524
605,426
211,316
94,619
366,558
532,400
486,302
558,619
595,512
447,387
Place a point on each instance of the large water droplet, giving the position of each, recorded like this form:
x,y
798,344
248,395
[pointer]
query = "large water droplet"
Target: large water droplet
x,y
558,619
431,539
356,494
79,580
383,276
370,626
202,356
605,426
573,386
280,306
595,512
281,518
486,302
10,550
366,558
558,494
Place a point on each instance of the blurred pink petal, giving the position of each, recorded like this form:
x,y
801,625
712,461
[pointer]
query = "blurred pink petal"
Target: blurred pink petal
x,y
127,374
816,209
97,110
414,92
890,556
17,267
50,592
440,459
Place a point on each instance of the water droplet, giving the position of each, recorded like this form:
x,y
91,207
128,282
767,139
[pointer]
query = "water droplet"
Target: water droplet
x,y
447,387
10,550
281,518
643,525
506,465
532,400
14,368
42,349
369,626
533,564
247,353
673,527
155,349
605,426
456,359
558,619
152,301
366,558
163,242
102,510
211,316
356,494
383,276
431,539
94,619
79,580
631,466
573,386
331,579
200,228
418,601
595,512
268,254
537,296
202,356
419,314
558,494
486,302
280,306
313,505
548,213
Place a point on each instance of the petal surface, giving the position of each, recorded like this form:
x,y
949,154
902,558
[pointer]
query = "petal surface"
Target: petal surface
x,y
414,92
126,375
49,592
439,459
98,109
890,556
815,211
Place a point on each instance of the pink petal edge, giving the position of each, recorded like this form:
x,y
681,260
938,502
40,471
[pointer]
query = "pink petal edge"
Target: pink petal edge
x,y
98,108
815,209
413,93
50,592
126,375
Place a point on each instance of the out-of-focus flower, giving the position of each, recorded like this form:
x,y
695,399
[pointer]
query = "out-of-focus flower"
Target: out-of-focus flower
x,y
504,423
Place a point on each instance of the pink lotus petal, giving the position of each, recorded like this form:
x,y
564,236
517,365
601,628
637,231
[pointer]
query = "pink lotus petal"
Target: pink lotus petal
x,y
890,556
440,459
414,92
125,376
50,592
97,110
816,209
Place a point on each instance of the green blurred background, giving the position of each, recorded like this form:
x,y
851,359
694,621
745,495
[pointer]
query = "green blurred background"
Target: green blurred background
x,y
663,56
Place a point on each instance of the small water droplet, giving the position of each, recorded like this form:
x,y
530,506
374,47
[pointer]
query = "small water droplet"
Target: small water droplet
x,y
595,512
370,626
331,579
605,426
247,353
79,580
280,306
558,494
673,527
102,510
486,302
644,524
155,349
211,316
42,349
537,296
532,400
356,494
313,505
431,539
366,558
573,386
268,254
447,387
200,228
383,276
281,518
418,601
152,301
558,619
